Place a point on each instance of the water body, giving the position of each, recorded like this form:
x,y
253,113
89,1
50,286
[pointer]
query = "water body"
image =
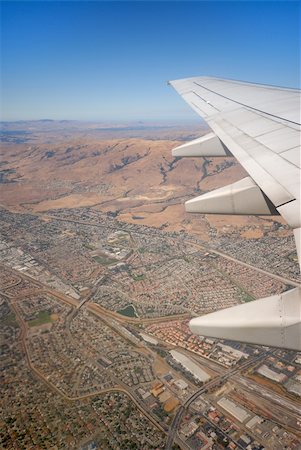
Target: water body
x,y
128,311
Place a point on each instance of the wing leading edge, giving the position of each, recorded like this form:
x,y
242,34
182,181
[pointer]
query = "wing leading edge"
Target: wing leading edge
x,y
260,126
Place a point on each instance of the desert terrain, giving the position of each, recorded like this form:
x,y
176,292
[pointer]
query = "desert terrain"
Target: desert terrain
x,y
101,272
126,170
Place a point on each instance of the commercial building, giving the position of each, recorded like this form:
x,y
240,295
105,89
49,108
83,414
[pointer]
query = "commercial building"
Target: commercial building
x,y
232,408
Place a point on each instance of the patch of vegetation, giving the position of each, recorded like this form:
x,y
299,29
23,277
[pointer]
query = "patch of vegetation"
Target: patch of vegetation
x,y
245,297
141,250
42,317
159,411
292,257
9,320
89,246
160,351
128,311
104,260
138,277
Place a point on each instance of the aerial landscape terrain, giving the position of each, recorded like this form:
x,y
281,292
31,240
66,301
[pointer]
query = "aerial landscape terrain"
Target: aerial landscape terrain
x,y
102,270
127,322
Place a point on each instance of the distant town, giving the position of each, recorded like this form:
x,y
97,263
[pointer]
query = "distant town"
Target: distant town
x,y
96,351
149,176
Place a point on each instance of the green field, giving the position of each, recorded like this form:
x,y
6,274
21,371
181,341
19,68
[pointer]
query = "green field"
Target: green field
x,y
43,317
138,277
128,311
104,260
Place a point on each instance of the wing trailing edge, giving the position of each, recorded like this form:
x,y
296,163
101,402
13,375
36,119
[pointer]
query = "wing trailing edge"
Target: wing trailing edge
x,y
208,145
243,197
260,126
272,321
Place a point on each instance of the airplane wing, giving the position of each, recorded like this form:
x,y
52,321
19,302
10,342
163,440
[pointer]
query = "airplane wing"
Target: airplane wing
x,y
260,126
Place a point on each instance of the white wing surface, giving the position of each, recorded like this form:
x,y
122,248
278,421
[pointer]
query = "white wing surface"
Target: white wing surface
x,y
260,126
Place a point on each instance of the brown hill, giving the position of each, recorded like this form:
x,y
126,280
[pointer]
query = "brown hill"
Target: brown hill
x,y
136,179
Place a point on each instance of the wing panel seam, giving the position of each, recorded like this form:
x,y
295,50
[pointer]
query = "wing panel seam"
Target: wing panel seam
x,y
246,106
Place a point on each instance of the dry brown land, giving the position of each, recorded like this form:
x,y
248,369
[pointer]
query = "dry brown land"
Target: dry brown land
x,y
137,179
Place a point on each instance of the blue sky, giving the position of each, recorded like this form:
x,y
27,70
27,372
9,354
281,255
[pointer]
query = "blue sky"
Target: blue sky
x,y
111,60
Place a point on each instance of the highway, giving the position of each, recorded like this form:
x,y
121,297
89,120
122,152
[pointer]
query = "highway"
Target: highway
x,y
120,386
265,272
200,246
220,379
105,315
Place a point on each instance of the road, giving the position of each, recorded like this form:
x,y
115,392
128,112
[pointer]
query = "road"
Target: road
x,y
101,312
93,307
200,246
214,425
220,379
265,272
120,386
